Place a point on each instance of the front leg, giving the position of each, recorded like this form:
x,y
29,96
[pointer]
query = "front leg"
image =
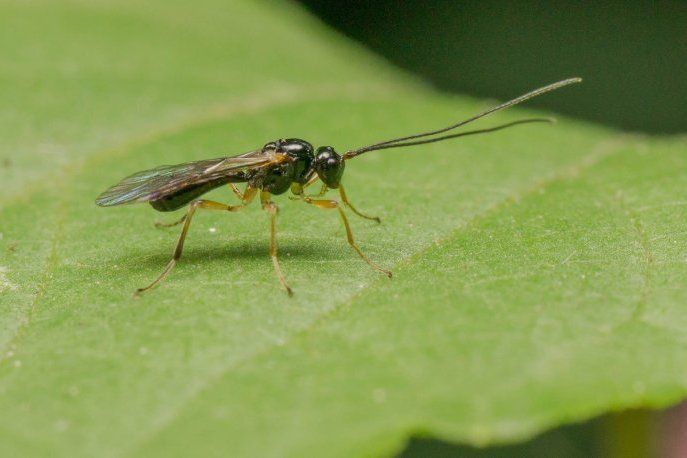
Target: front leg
x,y
299,196
344,198
332,204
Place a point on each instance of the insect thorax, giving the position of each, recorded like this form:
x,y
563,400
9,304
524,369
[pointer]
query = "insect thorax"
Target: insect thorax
x,y
277,178
305,163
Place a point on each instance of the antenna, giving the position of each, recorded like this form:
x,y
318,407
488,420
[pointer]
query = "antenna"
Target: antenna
x,y
404,141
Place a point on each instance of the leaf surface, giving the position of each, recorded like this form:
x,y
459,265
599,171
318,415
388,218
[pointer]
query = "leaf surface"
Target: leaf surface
x,y
539,271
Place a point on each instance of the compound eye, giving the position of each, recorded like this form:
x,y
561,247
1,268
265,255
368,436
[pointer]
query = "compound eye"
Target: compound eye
x,y
329,166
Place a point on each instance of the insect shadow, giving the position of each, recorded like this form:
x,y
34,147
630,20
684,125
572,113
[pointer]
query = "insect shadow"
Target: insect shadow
x,y
230,252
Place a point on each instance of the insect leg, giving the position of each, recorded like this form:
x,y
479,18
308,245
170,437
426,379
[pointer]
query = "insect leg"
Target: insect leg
x,y
237,191
177,222
246,197
332,204
272,209
312,180
322,191
344,198
206,204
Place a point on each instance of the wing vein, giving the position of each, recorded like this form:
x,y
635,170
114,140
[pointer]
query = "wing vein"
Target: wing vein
x,y
153,184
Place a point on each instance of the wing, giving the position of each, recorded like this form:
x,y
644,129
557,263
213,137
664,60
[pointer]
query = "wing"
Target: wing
x,y
158,182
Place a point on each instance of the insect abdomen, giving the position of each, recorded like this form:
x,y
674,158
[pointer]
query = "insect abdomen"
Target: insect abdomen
x,y
182,197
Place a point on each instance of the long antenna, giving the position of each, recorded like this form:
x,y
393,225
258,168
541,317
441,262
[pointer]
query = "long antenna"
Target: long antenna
x,y
466,133
403,141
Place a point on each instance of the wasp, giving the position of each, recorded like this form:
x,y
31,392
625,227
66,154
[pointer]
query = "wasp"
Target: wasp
x,y
283,165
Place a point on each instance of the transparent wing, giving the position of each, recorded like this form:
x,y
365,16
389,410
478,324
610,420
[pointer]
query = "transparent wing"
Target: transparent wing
x,y
158,182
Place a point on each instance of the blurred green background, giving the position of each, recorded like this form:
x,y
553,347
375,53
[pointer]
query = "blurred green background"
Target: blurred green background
x,y
633,57
632,54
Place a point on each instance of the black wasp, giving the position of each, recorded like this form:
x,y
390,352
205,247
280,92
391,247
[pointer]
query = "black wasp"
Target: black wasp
x,y
282,165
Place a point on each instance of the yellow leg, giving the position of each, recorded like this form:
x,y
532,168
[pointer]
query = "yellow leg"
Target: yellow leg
x,y
238,192
272,209
344,198
160,225
301,194
323,190
246,198
205,204
312,181
332,204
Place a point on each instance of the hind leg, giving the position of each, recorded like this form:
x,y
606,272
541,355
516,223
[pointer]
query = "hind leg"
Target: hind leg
x,y
188,217
246,197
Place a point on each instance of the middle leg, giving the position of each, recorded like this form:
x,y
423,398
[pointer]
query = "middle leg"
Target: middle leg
x,y
272,209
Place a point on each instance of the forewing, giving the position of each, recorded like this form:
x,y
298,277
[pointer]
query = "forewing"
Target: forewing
x,y
158,182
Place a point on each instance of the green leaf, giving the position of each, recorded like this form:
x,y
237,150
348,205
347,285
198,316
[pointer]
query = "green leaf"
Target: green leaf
x,y
539,272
